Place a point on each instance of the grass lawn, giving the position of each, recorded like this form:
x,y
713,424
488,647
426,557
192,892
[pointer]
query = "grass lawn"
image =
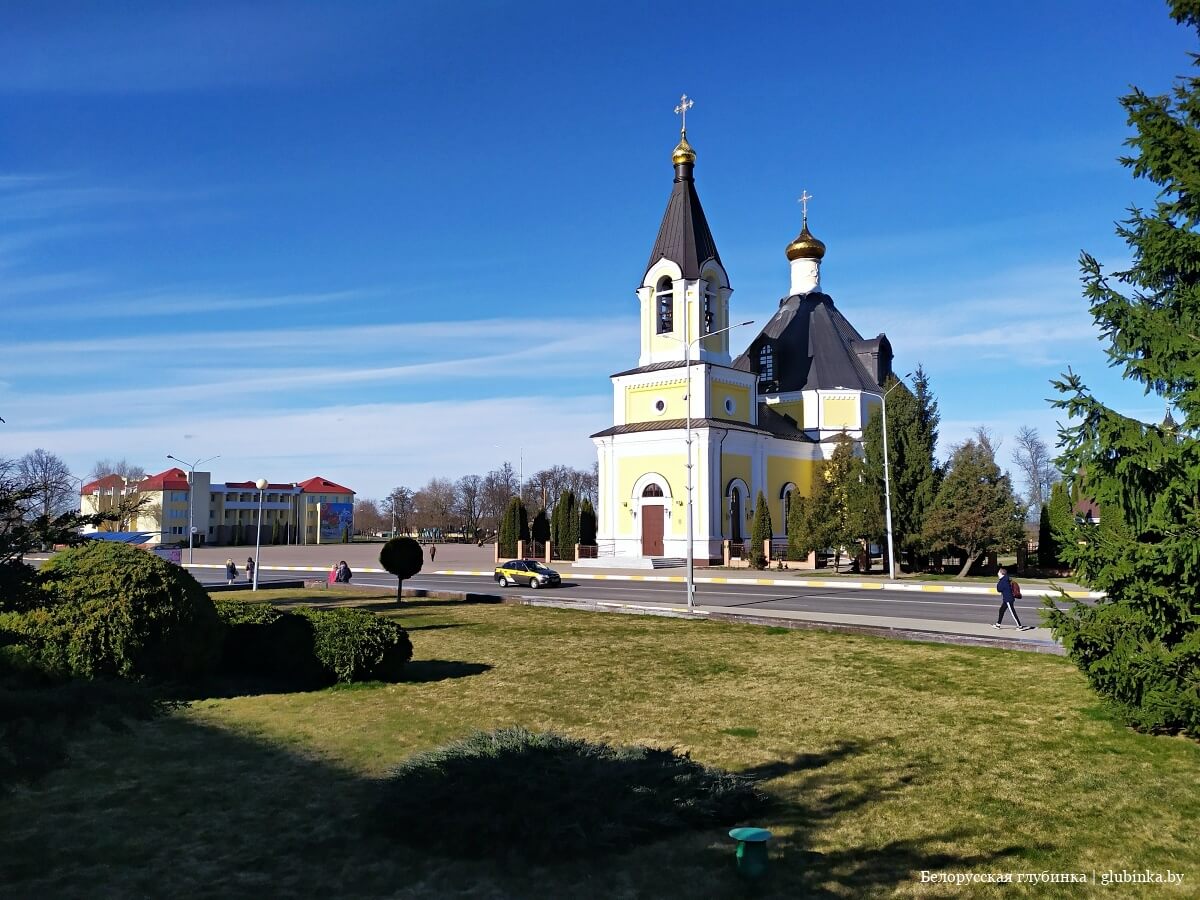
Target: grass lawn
x,y
886,757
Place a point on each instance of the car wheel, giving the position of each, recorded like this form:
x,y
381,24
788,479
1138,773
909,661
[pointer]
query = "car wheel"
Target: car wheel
x,y
534,583
502,581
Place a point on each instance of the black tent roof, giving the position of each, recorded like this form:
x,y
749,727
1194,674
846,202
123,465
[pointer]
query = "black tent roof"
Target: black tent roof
x,y
816,348
684,236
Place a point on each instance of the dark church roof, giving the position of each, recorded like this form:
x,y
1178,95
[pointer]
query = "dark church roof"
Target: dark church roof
x,y
683,236
816,348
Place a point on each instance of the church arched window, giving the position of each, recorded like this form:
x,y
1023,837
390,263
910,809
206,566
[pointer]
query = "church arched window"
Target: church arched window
x,y
766,363
652,490
709,312
664,303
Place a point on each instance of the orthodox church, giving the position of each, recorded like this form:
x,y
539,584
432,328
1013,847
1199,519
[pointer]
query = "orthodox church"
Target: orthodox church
x,y
758,421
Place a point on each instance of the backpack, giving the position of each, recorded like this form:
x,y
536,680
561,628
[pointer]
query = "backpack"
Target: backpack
x,y
1016,589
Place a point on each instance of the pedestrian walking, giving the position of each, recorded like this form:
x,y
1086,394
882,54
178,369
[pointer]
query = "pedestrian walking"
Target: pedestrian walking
x,y
433,552
249,569
1009,591
230,571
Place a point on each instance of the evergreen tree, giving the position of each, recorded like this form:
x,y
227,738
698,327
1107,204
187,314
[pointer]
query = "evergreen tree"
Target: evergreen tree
x,y
539,530
587,523
523,518
1140,646
510,528
828,512
761,532
1047,549
913,419
800,542
975,509
570,526
865,523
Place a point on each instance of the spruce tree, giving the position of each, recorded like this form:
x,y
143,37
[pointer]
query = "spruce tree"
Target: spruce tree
x,y
761,532
1140,646
913,419
799,534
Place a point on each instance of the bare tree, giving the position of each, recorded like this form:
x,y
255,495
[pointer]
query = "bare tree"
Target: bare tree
x,y
122,467
435,504
367,517
398,508
1033,459
499,486
50,480
469,502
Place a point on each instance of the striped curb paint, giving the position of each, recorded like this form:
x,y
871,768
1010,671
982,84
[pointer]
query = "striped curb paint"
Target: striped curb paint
x,y
758,582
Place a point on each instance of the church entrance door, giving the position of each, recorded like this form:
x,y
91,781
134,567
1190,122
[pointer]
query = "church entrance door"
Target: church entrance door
x,y
735,516
652,531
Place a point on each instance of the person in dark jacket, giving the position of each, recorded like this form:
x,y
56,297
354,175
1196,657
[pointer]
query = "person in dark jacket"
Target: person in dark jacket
x,y
1004,589
230,571
343,573
249,569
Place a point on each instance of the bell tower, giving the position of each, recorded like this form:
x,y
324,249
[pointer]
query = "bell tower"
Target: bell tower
x,y
685,290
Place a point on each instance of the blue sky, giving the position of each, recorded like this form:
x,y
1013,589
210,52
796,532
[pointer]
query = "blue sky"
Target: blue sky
x,y
382,242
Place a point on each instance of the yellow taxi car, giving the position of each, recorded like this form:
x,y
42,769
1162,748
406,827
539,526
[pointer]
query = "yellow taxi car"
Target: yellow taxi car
x,y
527,571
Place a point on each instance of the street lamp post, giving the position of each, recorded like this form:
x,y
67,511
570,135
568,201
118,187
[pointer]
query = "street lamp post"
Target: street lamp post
x,y
261,484
191,495
887,484
687,405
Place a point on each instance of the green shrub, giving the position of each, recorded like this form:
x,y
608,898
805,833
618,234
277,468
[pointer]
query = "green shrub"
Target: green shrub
x,y
311,648
18,586
548,797
113,610
356,645
262,641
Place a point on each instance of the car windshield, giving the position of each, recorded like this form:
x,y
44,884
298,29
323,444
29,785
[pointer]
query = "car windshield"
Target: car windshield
x,y
538,567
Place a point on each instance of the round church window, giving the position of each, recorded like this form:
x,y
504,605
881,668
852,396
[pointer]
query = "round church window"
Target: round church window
x,y
730,406
660,406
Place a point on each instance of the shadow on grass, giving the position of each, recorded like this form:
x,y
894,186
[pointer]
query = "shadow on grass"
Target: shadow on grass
x,y
425,670
439,626
812,798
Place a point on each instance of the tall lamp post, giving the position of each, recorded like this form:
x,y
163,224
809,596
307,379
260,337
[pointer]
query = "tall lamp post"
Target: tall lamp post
x,y
887,484
261,484
687,404
191,495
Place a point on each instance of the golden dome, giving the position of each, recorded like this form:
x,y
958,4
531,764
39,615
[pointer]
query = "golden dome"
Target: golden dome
x,y
683,152
805,246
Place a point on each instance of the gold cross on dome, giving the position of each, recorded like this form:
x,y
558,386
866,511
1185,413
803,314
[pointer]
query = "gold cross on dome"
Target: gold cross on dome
x,y
681,110
803,201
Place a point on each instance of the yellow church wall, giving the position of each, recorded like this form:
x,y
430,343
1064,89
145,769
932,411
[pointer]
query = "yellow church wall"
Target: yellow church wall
x,y
781,471
735,465
741,401
839,412
671,467
640,400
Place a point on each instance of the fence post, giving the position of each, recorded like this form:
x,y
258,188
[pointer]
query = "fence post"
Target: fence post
x,y
576,552
520,549
767,551
549,551
725,553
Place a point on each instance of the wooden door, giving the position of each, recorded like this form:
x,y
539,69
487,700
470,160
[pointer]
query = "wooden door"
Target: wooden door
x,y
652,531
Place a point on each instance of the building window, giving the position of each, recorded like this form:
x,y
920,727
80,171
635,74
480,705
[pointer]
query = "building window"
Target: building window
x,y
664,302
766,363
730,405
706,327
652,490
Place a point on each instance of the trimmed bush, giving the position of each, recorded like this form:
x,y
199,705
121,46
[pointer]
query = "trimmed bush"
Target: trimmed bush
x,y
264,642
403,557
547,797
311,648
113,610
356,645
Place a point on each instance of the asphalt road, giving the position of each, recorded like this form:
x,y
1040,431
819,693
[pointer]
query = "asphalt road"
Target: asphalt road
x,y
937,607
